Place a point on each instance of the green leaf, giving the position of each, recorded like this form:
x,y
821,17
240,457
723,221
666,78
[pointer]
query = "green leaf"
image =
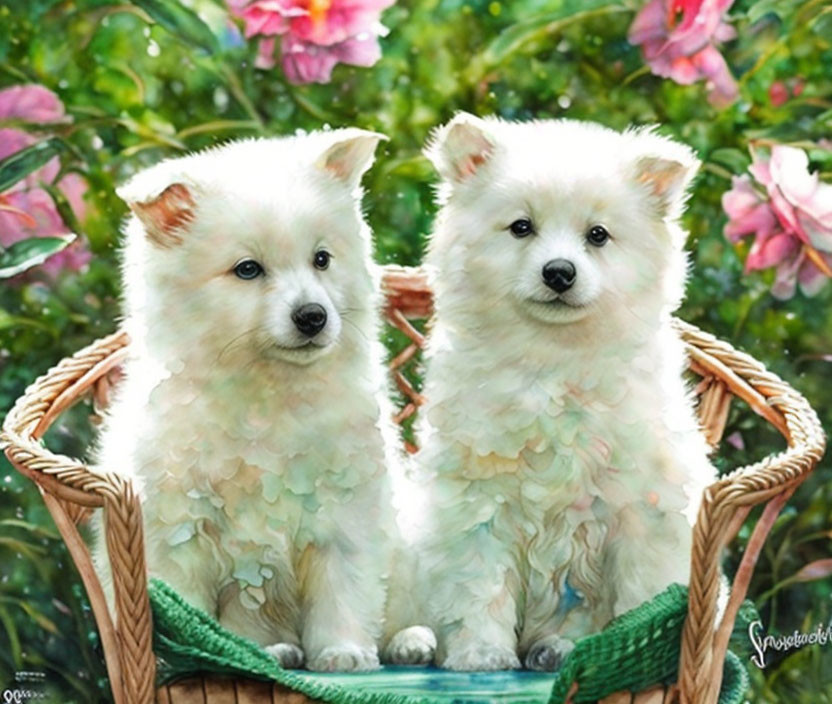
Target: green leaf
x,y
734,159
62,206
20,164
39,617
31,551
181,22
7,320
511,39
25,525
762,8
819,569
12,637
822,24
25,254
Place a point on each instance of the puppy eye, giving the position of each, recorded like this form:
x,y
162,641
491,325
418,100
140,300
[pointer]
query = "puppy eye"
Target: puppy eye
x,y
597,235
521,228
248,269
322,259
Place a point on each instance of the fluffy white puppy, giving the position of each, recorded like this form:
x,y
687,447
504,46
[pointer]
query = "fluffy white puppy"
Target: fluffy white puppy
x,y
564,458
253,414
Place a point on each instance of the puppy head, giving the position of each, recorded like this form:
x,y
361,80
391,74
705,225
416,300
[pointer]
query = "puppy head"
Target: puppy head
x,y
256,249
557,222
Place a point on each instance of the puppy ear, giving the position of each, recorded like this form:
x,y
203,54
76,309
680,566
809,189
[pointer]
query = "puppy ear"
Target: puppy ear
x,y
350,155
666,170
459,148
165,215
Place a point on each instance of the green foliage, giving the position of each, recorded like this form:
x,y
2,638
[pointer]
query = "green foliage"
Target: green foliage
x,y
181,22
155,78
20,164
24,254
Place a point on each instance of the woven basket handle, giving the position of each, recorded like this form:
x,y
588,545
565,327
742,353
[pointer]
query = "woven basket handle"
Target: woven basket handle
x,y
727,502
70,489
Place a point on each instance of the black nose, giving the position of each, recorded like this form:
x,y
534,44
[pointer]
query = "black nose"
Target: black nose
x,y
310,319
559,275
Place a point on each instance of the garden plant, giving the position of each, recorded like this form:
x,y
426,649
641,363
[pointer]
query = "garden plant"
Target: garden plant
x,y
91,91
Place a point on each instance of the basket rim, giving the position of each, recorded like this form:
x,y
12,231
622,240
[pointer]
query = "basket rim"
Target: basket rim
x,y
725,504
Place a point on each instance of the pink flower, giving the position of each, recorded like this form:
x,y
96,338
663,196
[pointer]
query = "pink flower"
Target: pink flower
x,y
778,93
31,103
791,222
265,54
27,210
317,34
305,62
679,38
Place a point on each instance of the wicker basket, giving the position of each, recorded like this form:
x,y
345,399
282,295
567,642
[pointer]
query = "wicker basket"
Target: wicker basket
x,y
70,490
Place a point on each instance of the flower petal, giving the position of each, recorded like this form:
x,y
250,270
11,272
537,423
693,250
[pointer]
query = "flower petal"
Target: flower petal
x,y
785,212
363,50
32,103
684,50
790,170
305,62
722,88
269,17
759,221
741,198
785,283
649,23
812,279
819,236
265,54
771,251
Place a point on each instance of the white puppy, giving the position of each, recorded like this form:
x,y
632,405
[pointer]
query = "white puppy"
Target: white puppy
x,y
564,460
253,412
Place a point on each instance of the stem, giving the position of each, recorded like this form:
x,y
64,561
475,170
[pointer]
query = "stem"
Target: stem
x,y
763,58
808,6
771,593
239,93
480,64
742,319
638,73
314,110
717,170
218,125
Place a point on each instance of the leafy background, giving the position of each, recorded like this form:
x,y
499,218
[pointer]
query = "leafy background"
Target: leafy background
x,y
139,89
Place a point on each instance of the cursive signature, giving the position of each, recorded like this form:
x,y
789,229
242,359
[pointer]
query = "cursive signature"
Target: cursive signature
x,y
762,642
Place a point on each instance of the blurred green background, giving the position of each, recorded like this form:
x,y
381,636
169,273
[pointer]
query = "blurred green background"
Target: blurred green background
x,y
137,90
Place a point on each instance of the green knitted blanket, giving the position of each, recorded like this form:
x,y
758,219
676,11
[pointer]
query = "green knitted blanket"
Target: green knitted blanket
x,y
636,651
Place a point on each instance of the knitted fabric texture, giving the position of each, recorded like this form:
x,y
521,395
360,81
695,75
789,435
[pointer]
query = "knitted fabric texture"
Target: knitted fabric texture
x,y
188,641
638,650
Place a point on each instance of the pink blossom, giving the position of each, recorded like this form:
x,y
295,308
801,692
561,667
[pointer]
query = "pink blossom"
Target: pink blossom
x,y
791,220
305,62
30,103
778,93
26,209
316,34
265,54
679,38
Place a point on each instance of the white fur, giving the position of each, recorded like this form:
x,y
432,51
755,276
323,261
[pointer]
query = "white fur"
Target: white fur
x,y
262,467
559,441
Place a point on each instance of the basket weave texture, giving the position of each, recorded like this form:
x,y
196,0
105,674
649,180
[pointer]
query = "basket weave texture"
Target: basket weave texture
x,y
70,490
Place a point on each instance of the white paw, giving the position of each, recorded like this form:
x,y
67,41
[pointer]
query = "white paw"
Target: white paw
x,y
482,657
411,646
548,654
288,655
344,658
